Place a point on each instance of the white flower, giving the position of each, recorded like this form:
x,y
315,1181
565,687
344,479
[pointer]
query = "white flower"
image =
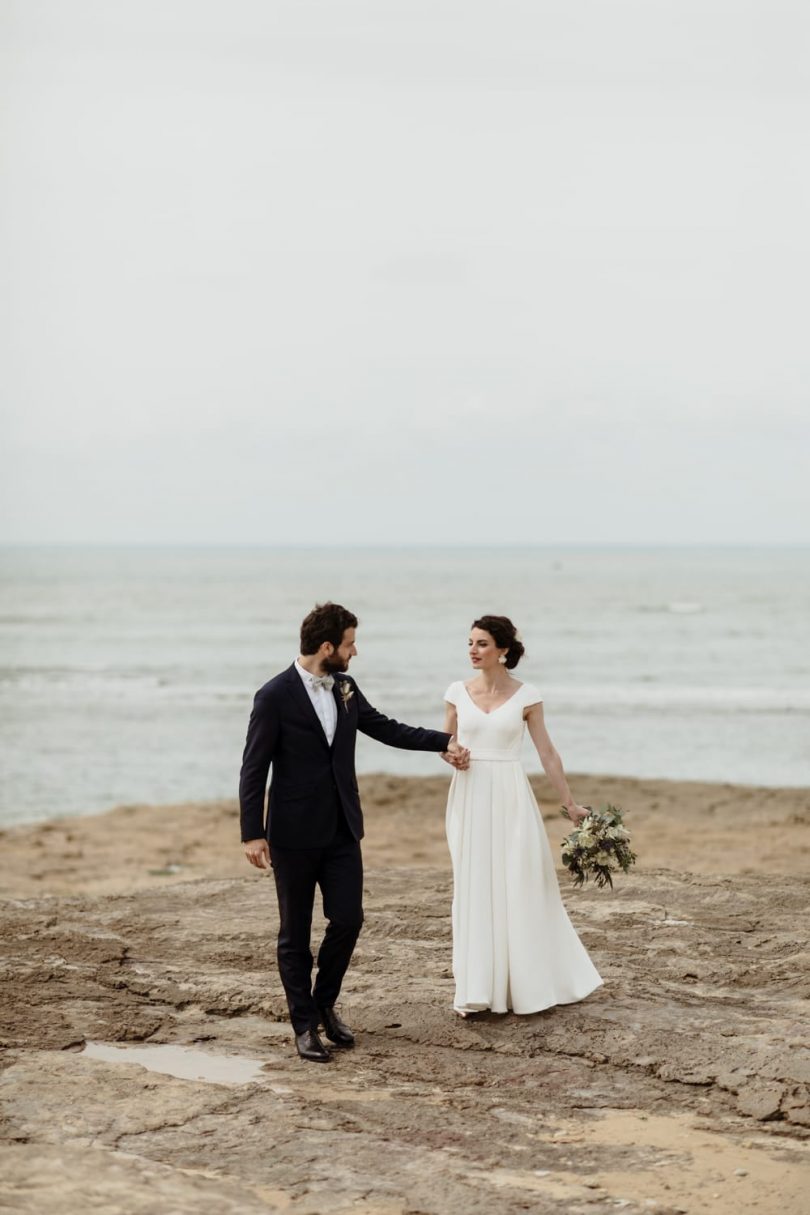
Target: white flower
x,y
616,833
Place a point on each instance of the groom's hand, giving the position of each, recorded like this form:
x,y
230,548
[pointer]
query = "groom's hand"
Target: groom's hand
x,y
258,853
457,755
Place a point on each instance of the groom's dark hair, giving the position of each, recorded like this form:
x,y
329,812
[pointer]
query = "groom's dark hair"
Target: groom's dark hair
x,y
326,622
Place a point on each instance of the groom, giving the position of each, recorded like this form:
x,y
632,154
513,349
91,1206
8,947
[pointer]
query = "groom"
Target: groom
x,y
305,722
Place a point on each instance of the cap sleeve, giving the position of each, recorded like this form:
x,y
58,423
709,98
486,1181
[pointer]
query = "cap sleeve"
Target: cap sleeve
x,y
451,695
531,695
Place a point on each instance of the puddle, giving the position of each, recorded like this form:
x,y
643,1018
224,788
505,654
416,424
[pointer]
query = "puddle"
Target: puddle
x,y
184,1062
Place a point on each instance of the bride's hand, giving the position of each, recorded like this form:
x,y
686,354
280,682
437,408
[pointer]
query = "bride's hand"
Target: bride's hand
x,y
456,755
577,813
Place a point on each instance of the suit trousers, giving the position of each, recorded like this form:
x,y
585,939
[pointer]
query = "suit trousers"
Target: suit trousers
x,y
338,870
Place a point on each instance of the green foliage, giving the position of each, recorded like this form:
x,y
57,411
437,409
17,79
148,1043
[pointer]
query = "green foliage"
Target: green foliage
x,y
598,847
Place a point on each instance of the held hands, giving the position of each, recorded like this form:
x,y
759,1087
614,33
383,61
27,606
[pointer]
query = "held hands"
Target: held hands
x,y
456,755
258,853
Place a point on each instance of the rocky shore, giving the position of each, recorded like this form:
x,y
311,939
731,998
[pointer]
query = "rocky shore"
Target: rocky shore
x,y
147,1061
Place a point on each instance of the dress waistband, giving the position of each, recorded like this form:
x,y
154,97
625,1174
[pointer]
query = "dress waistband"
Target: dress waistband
x,y
493,757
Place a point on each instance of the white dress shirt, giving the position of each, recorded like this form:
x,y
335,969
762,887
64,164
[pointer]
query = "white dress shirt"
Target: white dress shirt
x,y
323,703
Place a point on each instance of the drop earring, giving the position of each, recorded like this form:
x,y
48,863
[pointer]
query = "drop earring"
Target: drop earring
x,y
502,660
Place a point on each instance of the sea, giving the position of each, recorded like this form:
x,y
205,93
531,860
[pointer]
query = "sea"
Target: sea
x,y
127,674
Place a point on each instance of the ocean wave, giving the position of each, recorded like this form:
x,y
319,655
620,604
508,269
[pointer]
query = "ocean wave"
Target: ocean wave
x,y
653,695
678,607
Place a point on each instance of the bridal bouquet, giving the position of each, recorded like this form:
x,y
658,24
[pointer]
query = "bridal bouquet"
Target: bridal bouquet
x,y
598,847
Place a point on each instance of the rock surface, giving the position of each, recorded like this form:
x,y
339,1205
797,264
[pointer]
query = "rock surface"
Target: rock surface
x,y
682,1085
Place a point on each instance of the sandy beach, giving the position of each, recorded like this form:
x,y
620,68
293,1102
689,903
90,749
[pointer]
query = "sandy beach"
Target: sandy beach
x,y
692,826
147,1060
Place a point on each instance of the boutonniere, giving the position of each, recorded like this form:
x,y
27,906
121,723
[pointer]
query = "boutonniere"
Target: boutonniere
x,y
346,693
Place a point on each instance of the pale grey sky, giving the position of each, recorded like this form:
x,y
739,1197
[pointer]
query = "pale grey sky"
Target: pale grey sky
x,y
405,270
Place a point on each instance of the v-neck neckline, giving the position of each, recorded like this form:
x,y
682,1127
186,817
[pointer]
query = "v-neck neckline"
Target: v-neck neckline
x,y
497,707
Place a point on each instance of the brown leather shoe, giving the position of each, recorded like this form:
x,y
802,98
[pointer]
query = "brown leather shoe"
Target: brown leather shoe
x,y
337,1031
310,1047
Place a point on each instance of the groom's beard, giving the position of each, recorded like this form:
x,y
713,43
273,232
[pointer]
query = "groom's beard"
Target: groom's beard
x,y
335,665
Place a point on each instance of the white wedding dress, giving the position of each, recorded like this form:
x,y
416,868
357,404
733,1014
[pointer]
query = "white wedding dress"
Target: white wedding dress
x,y
514,946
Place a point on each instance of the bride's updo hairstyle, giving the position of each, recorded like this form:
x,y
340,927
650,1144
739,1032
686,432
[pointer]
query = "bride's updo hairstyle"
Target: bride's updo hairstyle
x,y
505,636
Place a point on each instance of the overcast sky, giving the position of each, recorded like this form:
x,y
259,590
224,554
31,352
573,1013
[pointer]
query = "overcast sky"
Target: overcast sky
x,y
281,271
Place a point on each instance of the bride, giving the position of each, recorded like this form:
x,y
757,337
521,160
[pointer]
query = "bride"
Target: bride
x,y
514,946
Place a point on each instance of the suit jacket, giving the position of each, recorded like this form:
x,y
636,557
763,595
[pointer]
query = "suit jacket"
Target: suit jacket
x,y
310,778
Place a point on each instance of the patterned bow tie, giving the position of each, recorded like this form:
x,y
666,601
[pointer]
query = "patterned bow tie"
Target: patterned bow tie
x,y
327,682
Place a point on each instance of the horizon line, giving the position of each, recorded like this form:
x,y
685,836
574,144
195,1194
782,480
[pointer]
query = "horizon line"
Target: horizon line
x,y
376,545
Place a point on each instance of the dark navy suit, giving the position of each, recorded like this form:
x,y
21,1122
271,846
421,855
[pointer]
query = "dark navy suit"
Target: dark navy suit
x,y
314,823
